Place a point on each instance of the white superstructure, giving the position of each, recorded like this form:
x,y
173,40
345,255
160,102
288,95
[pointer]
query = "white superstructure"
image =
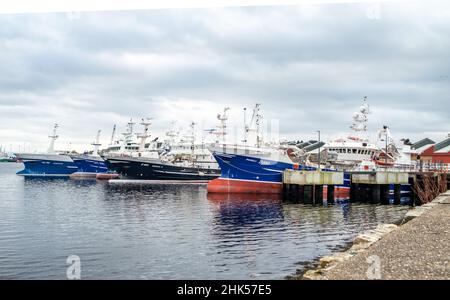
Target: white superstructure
x,y
133,144
355,148
50,155
253,144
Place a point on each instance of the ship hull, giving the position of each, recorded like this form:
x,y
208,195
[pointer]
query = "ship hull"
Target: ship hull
x,y
248,174
46,165
132,168
238,186
253,175
90,165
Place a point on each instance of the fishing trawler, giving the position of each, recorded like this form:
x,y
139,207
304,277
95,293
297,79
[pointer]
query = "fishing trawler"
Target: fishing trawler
x,y
355,150
127,144
252,167
174,160
4,157
89,165
257,167
50,164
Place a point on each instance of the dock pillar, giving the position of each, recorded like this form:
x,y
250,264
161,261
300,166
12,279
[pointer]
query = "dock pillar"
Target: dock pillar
x,y
412,193
330,194
384,191
359,193
397,193
353,192
364,194
286,191
308,194
448,181
301,193
318,194
293,192
375,194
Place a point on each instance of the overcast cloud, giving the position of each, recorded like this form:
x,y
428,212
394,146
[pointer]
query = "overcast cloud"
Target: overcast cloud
x,y
309,66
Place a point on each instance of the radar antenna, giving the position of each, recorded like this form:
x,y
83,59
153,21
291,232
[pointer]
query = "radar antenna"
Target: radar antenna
x,y
143,136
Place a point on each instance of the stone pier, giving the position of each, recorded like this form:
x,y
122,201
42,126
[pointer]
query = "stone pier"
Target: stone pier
x,y
418,249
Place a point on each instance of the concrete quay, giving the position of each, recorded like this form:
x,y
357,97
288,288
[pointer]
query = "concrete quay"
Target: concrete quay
x,y
418,249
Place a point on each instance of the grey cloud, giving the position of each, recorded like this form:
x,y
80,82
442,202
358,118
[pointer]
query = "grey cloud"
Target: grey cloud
x,y
308,65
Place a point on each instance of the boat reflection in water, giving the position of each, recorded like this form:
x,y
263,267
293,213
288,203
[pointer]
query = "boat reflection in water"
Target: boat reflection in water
x,y
244,228
160,231
258,228
246,209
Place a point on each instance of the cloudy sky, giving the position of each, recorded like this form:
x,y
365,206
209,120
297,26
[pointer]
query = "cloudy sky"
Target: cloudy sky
x,y
309,66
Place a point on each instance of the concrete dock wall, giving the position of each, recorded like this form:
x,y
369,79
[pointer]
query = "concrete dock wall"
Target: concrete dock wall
x,y
313,177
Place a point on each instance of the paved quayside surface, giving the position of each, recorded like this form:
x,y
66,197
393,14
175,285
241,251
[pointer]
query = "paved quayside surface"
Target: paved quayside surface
x,y
419,249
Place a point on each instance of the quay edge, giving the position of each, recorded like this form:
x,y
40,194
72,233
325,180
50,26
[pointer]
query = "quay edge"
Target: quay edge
x,y
417,249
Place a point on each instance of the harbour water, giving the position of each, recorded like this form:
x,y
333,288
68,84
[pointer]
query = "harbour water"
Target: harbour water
x,y
165,232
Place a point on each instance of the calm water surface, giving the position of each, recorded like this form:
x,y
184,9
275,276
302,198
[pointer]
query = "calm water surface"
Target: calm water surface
x,y
165,232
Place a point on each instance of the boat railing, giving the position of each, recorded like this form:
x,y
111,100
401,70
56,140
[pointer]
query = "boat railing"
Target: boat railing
x,y
418,167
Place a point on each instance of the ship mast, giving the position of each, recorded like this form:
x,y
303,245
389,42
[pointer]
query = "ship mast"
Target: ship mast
x,y
113,134
258,120
360,118
192,141
146,123
130,128
96,143
245,126
172,133
128,135
173,136
223,125
53,138
255,122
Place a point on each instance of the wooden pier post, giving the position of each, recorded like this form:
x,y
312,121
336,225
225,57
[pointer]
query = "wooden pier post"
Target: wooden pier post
x,y
330,194
397,193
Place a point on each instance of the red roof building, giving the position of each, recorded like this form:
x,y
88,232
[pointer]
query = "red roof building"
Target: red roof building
x,y
435,153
